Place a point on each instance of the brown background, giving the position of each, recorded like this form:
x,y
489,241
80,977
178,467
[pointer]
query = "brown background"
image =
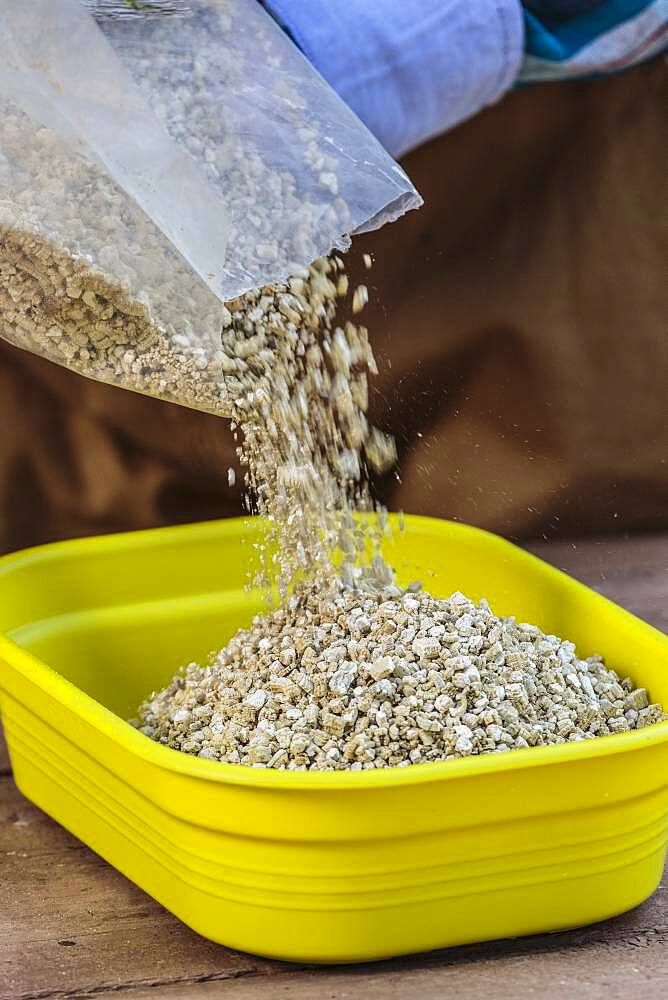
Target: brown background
x,y
520,318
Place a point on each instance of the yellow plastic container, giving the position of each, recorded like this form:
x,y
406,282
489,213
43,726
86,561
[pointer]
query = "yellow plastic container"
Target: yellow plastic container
x,y
309,866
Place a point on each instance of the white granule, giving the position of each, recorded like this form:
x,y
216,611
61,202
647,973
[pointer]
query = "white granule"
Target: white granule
x,y
300,397
365,680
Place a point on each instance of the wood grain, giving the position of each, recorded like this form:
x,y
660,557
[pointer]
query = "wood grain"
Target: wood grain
x,y
632,572
69,922
71,925
589,972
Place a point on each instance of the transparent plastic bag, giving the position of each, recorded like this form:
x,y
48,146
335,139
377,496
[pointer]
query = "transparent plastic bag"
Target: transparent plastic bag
x,y
153,168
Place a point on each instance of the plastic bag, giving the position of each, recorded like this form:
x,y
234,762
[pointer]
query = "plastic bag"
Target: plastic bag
x,y
153,168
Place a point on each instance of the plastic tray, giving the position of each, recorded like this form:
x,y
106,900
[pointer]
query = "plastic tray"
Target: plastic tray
x,y
303,865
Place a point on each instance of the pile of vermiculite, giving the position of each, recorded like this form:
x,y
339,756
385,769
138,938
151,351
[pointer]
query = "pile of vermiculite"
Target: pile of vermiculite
x,y
351,671
390,678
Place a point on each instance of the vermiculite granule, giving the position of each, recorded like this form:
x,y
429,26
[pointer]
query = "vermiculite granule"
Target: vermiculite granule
x,y
299,385
365,680
116,255
350,671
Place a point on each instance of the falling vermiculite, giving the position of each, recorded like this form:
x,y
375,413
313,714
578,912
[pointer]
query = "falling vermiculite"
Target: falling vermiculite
x,y
299,385
351,671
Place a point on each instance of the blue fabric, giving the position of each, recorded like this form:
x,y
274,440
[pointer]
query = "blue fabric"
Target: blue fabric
x,y
560,10
615,35
410,69
561,41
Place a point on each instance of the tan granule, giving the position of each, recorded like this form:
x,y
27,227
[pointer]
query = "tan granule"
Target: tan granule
x,y
300,398
391,678
360,298
293,382
60,308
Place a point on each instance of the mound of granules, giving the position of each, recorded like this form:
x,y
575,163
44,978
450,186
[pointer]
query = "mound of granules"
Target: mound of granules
x,y
352,680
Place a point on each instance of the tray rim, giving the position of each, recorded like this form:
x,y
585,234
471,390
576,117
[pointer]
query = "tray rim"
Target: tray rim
x,y
38,673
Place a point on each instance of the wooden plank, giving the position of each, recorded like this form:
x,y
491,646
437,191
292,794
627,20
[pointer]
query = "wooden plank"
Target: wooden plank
x,y
609,558
69,922
631,571
586,973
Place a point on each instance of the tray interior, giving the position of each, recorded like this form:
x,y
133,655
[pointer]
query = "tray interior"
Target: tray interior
x,y
117,616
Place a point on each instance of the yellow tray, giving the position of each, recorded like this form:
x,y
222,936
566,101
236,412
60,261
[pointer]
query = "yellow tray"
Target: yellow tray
x,y
309,866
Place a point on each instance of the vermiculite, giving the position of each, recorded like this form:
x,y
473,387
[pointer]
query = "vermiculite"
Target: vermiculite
x,y
351,671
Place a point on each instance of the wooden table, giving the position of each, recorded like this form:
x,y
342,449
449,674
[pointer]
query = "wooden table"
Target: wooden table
x,y
70,925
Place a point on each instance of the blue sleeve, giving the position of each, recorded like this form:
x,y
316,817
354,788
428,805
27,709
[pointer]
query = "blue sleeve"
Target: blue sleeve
x,y
410,69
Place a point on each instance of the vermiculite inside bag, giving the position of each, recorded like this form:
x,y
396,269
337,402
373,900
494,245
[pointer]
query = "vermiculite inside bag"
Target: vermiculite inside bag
x,y
153,168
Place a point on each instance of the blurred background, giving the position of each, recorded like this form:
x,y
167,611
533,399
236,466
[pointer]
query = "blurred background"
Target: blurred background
x,y
520,324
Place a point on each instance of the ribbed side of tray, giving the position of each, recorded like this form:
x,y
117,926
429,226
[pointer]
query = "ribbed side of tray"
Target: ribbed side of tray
x,y
311,912
308,866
